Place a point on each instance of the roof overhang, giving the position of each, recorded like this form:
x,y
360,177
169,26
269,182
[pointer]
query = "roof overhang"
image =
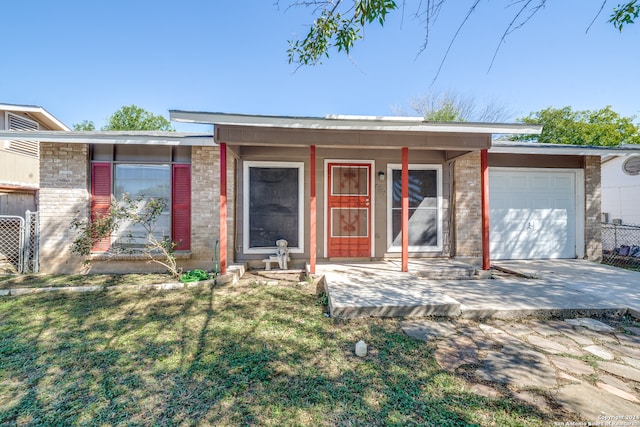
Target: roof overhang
x,y
112,137
517,147
352,123
38,113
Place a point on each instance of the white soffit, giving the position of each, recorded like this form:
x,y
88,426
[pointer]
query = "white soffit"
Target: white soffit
x,y
347,122
112,137
39,113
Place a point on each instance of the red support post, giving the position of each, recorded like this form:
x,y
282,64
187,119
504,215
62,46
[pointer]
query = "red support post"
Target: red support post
x,y
223,208
484,184
312,210
405,209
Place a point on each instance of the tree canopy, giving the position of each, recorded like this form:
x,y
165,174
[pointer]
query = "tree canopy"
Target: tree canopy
x,y
129,117
340,23
602,127
85,125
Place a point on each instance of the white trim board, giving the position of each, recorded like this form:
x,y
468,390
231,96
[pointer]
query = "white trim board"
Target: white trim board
x,y
245,205
414,166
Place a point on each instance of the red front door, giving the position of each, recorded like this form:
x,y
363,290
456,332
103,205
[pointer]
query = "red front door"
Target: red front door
x,y
349,210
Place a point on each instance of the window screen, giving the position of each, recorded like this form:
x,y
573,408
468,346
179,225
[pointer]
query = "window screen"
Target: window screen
x,y
423,207
273,206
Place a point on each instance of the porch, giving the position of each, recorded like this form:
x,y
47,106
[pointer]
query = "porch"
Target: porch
x,y
541,288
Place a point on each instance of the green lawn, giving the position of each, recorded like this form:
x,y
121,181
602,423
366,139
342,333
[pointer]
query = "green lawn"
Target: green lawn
x,y
244,354
63,280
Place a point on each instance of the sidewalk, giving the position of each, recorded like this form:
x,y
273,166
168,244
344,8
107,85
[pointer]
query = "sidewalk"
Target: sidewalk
x,y
583,365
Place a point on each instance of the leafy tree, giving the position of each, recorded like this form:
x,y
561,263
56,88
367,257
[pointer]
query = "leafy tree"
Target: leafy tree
x,y
131,117
85,125
625,14
340,23
602,127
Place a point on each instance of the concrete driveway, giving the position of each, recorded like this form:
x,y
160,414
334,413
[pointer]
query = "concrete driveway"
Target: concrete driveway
x,y
539,288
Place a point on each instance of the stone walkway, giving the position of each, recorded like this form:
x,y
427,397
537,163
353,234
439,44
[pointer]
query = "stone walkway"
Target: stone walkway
x,y
583,366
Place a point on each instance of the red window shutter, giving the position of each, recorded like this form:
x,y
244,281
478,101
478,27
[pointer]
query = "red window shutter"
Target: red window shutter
x,y
181,207
100,198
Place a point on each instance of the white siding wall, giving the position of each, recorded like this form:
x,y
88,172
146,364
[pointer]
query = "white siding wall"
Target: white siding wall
x,y
620,192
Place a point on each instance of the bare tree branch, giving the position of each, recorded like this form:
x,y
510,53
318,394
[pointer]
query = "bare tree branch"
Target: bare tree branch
x,y
513,24
340,23
453,39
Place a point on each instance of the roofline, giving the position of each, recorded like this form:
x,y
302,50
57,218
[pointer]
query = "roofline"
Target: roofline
x,y
517,147
347,122
35,109
112,137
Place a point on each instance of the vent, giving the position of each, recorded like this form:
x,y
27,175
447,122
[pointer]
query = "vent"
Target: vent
x,y
631,166
28,148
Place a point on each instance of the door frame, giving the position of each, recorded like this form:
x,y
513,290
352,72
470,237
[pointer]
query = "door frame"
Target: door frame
x,y
372,190
579,193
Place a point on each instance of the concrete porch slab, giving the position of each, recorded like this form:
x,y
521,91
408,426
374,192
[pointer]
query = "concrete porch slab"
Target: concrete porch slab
x,y
381,290
598,283
563,288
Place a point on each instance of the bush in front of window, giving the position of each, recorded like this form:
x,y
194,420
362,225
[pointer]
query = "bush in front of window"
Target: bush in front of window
x,y
125,215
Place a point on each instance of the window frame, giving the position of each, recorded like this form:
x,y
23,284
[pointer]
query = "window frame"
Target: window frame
x,y
439,216
167,213
246,166
628,164
171,163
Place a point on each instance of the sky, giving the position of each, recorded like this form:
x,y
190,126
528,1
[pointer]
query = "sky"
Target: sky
x,y
83,60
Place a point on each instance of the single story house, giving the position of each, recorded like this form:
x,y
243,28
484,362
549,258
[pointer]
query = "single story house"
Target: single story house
x,y
336,188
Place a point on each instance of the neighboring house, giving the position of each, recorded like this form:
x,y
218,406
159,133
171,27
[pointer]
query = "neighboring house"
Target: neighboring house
x,y
621,189
20,159
332,187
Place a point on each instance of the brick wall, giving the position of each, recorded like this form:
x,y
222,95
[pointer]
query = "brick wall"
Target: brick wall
x,y
63,197
467,208
593,209
205,203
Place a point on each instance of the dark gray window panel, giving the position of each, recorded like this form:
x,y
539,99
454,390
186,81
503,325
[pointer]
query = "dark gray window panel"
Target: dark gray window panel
x,y
273,206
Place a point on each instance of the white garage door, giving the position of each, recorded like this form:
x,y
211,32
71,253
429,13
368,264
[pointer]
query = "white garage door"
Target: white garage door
x,y
532,214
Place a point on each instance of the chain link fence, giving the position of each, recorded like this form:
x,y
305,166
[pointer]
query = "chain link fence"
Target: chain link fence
x,y
19,243
621,245
11,244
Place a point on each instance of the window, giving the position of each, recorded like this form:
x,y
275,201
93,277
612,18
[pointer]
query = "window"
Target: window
x,y
425,216
146,181
273,206
148,172
28,148
631,166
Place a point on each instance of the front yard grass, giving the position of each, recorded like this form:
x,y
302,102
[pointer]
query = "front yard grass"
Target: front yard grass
x,y
67,280
243,354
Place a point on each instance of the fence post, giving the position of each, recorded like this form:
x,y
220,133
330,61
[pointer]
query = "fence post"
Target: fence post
x,y
36,242
26,247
